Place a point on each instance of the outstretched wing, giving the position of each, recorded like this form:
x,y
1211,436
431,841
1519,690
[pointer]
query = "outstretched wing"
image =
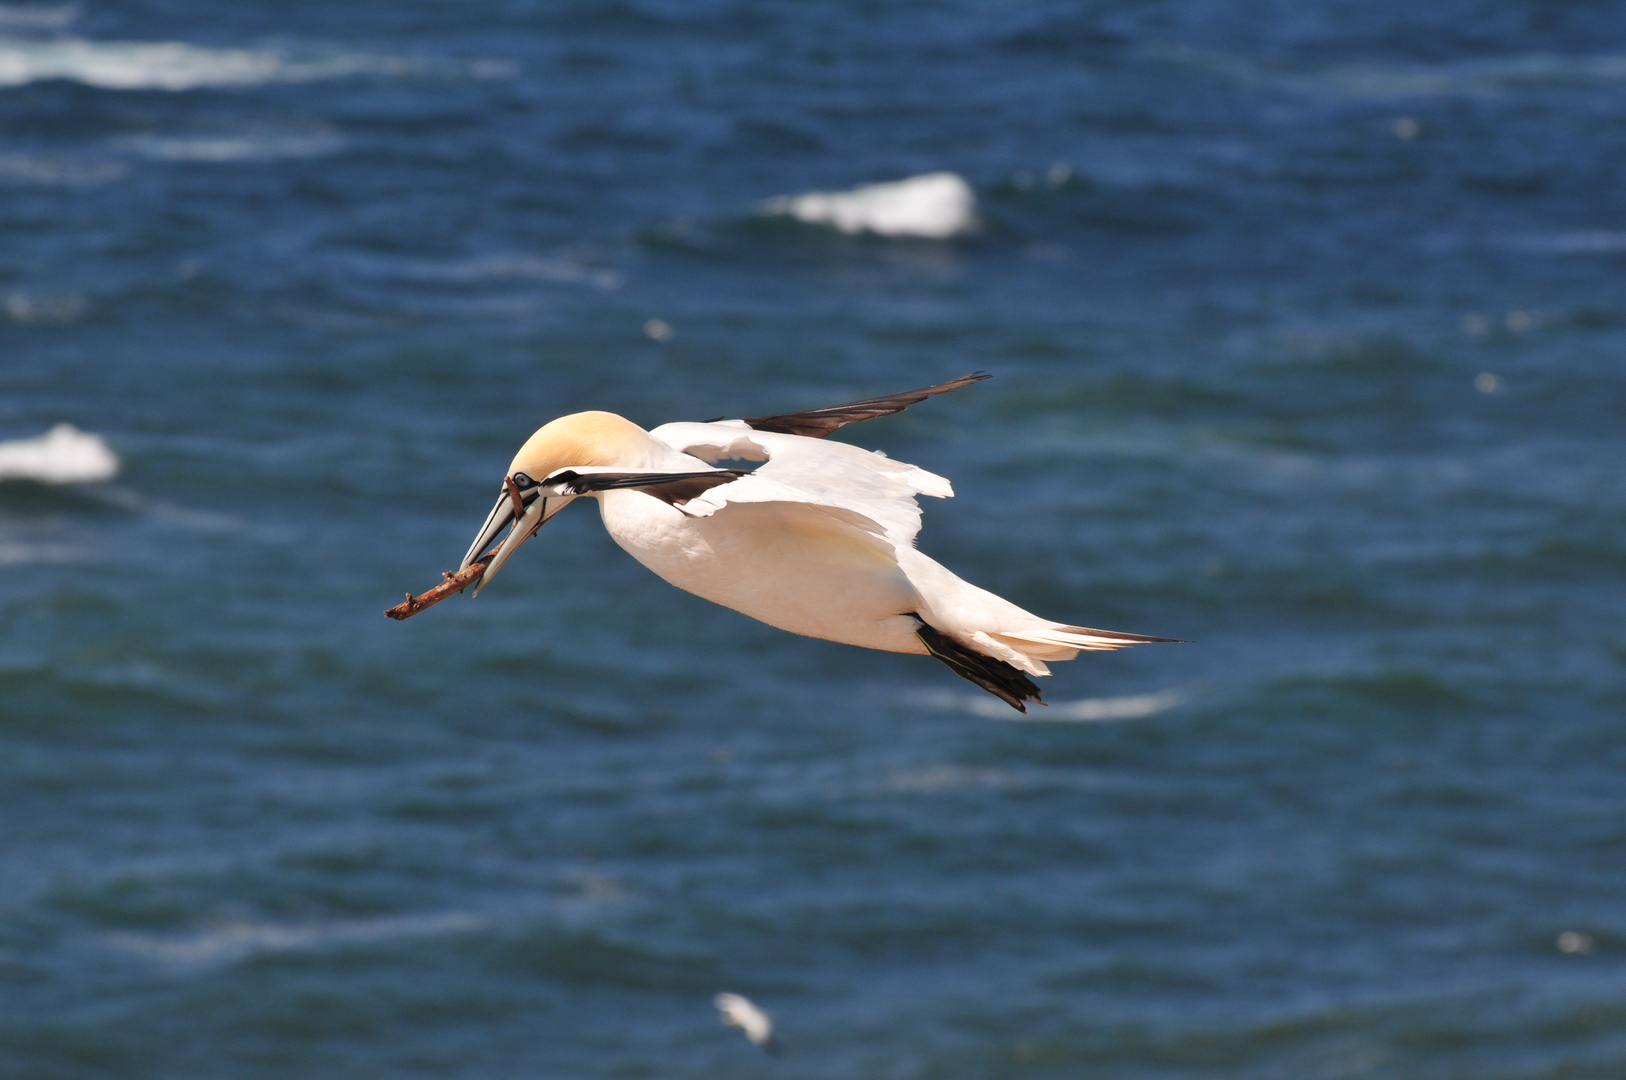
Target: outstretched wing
x,y
817,423
797,469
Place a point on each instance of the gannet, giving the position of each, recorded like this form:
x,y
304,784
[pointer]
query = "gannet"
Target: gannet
x,y
817,539
742,1012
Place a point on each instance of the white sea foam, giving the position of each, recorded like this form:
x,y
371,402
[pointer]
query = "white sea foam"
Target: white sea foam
x,y
236,941
1085,710
244,146
174,65
935,206
63,455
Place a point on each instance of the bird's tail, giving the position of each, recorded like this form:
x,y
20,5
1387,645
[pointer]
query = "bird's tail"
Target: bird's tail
x,y
991,641
1057,641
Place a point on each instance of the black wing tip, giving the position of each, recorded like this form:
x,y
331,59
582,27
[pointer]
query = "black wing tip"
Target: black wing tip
x,y
820,423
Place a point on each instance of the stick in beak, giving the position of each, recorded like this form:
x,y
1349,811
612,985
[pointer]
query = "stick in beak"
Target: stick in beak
x,y
513,495
453,583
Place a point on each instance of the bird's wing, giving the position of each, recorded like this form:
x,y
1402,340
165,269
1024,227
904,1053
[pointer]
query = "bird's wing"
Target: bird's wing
x,y
797,469
817,423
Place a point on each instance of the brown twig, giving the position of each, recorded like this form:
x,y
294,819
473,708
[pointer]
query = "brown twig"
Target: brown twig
x,y
513,496
454,583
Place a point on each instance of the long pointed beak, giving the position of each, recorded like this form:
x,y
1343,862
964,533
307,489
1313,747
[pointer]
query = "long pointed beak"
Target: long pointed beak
x,y
534,509
523,530
496,521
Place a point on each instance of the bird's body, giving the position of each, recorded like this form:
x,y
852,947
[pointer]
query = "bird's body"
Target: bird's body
x,y
786,564
818,539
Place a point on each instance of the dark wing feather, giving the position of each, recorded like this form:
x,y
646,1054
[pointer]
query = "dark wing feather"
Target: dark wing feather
x,y
671,488
817,423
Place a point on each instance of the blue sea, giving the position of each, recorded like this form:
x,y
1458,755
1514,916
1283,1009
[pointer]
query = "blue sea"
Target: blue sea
x,y
1306,323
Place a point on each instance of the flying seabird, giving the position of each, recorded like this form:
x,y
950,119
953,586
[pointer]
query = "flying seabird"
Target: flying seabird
x,y
742,1012
818,539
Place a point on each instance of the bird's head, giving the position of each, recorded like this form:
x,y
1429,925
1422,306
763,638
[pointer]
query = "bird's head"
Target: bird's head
x,y
574,441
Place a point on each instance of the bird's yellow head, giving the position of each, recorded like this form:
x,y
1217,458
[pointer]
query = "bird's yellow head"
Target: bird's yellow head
x,y
584,438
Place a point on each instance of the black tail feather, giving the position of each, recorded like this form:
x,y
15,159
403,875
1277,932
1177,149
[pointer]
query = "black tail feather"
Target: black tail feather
x,y
1000,679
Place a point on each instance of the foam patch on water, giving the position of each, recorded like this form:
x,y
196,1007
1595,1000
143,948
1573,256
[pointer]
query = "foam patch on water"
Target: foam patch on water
x,y
232,942
174,65
935,206
1085,710
63,455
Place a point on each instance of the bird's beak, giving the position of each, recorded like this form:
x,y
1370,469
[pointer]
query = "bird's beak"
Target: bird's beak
x,y
526,511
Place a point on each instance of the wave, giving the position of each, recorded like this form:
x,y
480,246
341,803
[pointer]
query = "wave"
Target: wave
x,y
593,958
935,206
22,554
237,941
20,307
263,146
57,171
948,778
1085,710
481,268
1476,78
174,65
1579,242
1482,77
63,455
38,16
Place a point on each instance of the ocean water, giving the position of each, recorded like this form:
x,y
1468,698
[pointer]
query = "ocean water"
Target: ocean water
x,y
1306,323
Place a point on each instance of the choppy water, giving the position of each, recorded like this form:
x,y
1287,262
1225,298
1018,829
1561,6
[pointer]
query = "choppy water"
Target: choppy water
x,y
1307,324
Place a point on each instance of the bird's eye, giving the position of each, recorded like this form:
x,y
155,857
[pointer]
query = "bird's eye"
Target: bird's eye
x,y
523,482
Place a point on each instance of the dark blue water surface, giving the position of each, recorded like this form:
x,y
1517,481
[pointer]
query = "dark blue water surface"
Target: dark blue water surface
x,y
1307,323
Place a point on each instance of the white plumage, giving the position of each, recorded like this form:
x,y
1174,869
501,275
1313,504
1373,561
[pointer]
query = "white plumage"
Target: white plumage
x,y
817,539
742,1012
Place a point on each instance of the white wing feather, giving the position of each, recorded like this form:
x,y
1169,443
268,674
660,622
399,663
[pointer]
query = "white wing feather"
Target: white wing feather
x,y
809,471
